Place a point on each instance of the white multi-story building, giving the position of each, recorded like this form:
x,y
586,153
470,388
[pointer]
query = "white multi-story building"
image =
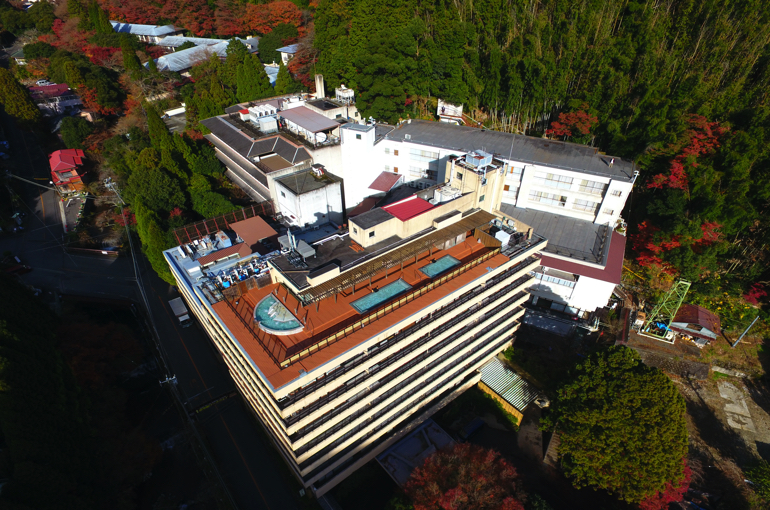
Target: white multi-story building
x,y
347,342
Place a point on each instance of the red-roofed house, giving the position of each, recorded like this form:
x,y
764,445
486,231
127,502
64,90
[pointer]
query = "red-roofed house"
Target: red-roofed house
x,y
54,99
64,170
698,323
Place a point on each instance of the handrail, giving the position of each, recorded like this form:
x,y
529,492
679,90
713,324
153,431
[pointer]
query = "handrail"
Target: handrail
x,y
387,309
343,369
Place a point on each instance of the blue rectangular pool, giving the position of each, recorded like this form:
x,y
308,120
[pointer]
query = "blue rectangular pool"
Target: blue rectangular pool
x,y
386,293
435,268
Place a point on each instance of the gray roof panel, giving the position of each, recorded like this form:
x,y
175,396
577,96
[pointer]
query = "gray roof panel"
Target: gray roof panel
x,y
372,218
540,151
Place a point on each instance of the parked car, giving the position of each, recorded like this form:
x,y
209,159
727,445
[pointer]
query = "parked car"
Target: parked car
x,y
43,83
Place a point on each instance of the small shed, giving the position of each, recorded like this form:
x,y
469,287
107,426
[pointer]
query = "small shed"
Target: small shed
x,y
507,387
697,323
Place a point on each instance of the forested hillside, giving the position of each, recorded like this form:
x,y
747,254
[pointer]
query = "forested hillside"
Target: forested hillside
x,y
678,86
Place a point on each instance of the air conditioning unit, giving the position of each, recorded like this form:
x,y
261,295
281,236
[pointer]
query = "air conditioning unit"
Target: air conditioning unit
x,y
407,137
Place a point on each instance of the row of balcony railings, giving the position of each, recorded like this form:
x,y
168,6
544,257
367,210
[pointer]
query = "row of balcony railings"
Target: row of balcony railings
x,y
411,347
372,351
435,388
396,373
389,308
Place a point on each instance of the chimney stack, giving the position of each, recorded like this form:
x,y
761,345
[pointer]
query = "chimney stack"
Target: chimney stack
x,y
320,92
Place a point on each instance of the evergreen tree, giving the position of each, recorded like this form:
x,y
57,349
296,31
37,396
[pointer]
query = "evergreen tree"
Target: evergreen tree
x,y
605,416
152,65
130,60
252,80
15,99
284,83
236,53
74,130
159,135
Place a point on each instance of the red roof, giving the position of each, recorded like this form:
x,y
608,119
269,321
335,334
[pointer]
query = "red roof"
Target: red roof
x,y
694,314
408,208
65,159
252,231
241,249
50,90
385,181
609,273
244,111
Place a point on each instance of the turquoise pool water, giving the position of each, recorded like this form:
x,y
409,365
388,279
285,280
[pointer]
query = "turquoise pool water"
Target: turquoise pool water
x,y
386,293
441,265
275,318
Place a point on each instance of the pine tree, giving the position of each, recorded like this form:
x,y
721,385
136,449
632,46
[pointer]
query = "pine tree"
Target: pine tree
x,y
16,101
130,60
284,83
152,65
236,53
159,135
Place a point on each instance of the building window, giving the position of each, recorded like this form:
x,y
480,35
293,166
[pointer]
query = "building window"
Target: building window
x,y
481,198
355,114
617,193
395,152
395,169
512,170
358,137
424,156
609,212
371,234
338,116
459,176
283,194
553,180
387,150
387,168
596,188
506,188
551,279
547,198
585,205
355,230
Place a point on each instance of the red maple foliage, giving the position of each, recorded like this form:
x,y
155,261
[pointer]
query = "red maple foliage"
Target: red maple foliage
x,y
133,11
464,476
195,15
702,138
579,121
262,18
301,65
755,293
673,493
229,19
130,217
710,234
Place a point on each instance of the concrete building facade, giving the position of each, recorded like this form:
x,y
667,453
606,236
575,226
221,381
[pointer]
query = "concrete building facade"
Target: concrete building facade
x,y
347,344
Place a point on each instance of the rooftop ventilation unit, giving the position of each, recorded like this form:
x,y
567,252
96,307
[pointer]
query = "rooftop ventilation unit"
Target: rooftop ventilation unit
x,y
478,159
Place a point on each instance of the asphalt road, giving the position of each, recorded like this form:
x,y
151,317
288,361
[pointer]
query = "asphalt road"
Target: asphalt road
x,y
246,460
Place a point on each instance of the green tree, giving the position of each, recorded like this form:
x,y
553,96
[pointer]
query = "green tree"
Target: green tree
x,y
74,130
185,46
205,201
159,134
252,81
38,50
284,83
152,65
151,186
236,52
42,14
130,60
622,426
270,42
16,101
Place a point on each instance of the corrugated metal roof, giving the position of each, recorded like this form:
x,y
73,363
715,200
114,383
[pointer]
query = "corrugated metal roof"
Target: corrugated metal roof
x,y
308,119
174,41
409,208
508,384
292,48
134,29
185,59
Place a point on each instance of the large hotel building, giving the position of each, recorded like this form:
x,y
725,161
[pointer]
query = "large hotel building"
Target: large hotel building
x,y
344,341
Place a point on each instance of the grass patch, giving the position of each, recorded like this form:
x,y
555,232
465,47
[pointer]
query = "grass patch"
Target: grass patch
x,y
719,375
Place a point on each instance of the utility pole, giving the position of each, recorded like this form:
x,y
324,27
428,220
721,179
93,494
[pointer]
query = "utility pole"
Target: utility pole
x,y
747,330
